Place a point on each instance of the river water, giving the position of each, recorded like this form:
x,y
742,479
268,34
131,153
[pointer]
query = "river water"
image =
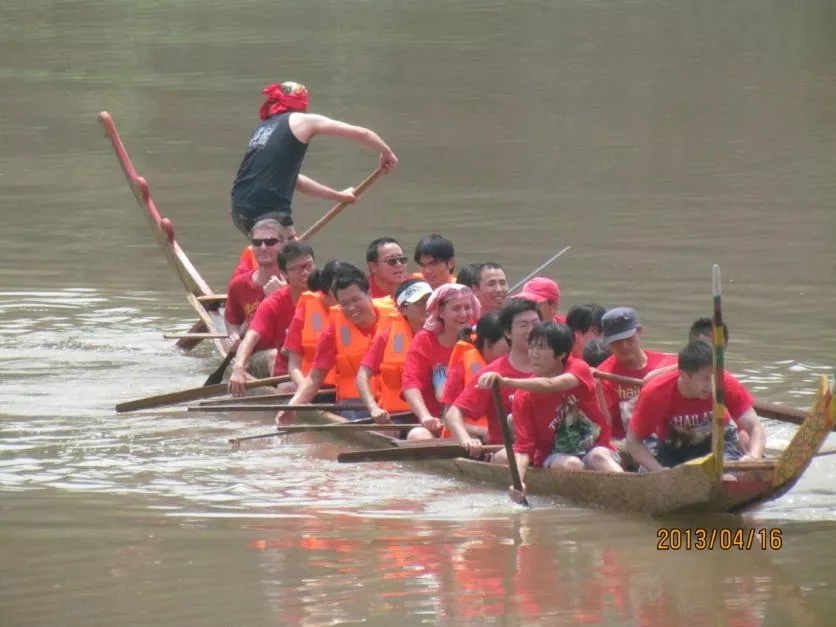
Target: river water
x,y
655,138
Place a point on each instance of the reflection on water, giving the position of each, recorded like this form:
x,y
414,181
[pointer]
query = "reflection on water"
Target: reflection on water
x,y
111,560
656,139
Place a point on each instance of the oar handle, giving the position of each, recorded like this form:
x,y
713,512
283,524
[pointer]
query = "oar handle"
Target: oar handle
x,y
519,284
617,378
335,211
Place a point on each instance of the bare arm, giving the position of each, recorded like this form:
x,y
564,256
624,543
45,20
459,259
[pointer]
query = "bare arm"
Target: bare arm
x,y
294,367
364,386
307,185
751,424
306,126
306,391
415,400
640,453
238,378
560,383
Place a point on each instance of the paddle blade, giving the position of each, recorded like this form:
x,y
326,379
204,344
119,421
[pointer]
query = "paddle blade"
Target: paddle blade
x,y
218,376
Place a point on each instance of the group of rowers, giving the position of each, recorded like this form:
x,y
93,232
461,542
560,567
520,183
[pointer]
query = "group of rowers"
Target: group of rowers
x,y
431,345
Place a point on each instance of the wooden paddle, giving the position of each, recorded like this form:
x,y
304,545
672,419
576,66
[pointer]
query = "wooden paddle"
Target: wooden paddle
x,y
251,400
273,407
192,394
508,439
335,211
519,284
781,413
351,426
418,451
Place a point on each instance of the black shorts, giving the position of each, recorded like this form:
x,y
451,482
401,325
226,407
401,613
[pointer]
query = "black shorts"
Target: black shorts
x,y
244,222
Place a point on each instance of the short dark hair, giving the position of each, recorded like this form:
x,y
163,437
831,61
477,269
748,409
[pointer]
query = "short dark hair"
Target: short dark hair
x,y
512,308
469,275
595,352
489,265
372,252
705,326
583,317
284,219
555,335
488,329
695,356
435,246
347,276
294,250
321,279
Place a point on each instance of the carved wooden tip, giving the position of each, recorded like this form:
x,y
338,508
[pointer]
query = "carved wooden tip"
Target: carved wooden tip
x,y
168,228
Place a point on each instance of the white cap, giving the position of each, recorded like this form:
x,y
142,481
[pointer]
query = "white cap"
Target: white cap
x,y
414,293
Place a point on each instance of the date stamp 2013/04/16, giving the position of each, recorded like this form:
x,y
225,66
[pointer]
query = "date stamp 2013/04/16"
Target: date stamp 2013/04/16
x,y
722,538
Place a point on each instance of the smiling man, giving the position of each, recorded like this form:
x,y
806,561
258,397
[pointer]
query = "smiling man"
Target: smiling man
x,y
492,288
344,343
387,266
436,259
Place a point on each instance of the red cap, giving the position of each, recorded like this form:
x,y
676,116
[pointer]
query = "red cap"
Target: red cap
x,y
540,290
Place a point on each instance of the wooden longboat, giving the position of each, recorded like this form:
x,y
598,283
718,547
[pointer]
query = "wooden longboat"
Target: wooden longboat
x,y
688,488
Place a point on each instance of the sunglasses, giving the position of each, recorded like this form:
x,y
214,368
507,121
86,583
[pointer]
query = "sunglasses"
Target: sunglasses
x,y
393,261
270,241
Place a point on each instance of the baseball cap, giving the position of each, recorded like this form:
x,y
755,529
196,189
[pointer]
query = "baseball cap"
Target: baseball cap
x,y
619,323
413,293
540,290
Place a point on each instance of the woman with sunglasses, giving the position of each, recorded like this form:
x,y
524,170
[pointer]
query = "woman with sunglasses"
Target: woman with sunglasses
x,y
450,309
387,266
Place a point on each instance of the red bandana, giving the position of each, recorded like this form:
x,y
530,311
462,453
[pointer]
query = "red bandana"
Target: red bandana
x,y
288,96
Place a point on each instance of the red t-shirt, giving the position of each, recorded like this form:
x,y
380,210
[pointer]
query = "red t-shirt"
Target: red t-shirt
x,y
375,290
272,318
426,368
242,298
617,393
454,385
474,402
661,409
326,346
560,319
293,339
538,416
377,349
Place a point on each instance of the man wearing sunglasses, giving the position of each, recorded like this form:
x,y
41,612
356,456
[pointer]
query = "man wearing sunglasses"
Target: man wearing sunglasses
x,y
259,351
387,267
270,171
286,233
247,289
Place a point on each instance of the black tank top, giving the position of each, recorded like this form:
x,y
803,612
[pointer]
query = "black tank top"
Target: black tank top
x,y
266,179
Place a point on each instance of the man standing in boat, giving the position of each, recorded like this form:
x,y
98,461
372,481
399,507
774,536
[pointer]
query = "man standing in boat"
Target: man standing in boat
x,y
678,407
270,171
517,318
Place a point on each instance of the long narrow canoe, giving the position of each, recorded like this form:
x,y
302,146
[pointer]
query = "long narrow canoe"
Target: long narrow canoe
x,y
683,489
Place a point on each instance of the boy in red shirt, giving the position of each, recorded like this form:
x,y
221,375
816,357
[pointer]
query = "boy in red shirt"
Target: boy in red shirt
x,y
622,333
517,317
563,428
678,408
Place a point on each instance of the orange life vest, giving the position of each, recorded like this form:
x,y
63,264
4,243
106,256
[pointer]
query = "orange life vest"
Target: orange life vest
x,y
394,358
316,319
352,346
468,355
248,257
